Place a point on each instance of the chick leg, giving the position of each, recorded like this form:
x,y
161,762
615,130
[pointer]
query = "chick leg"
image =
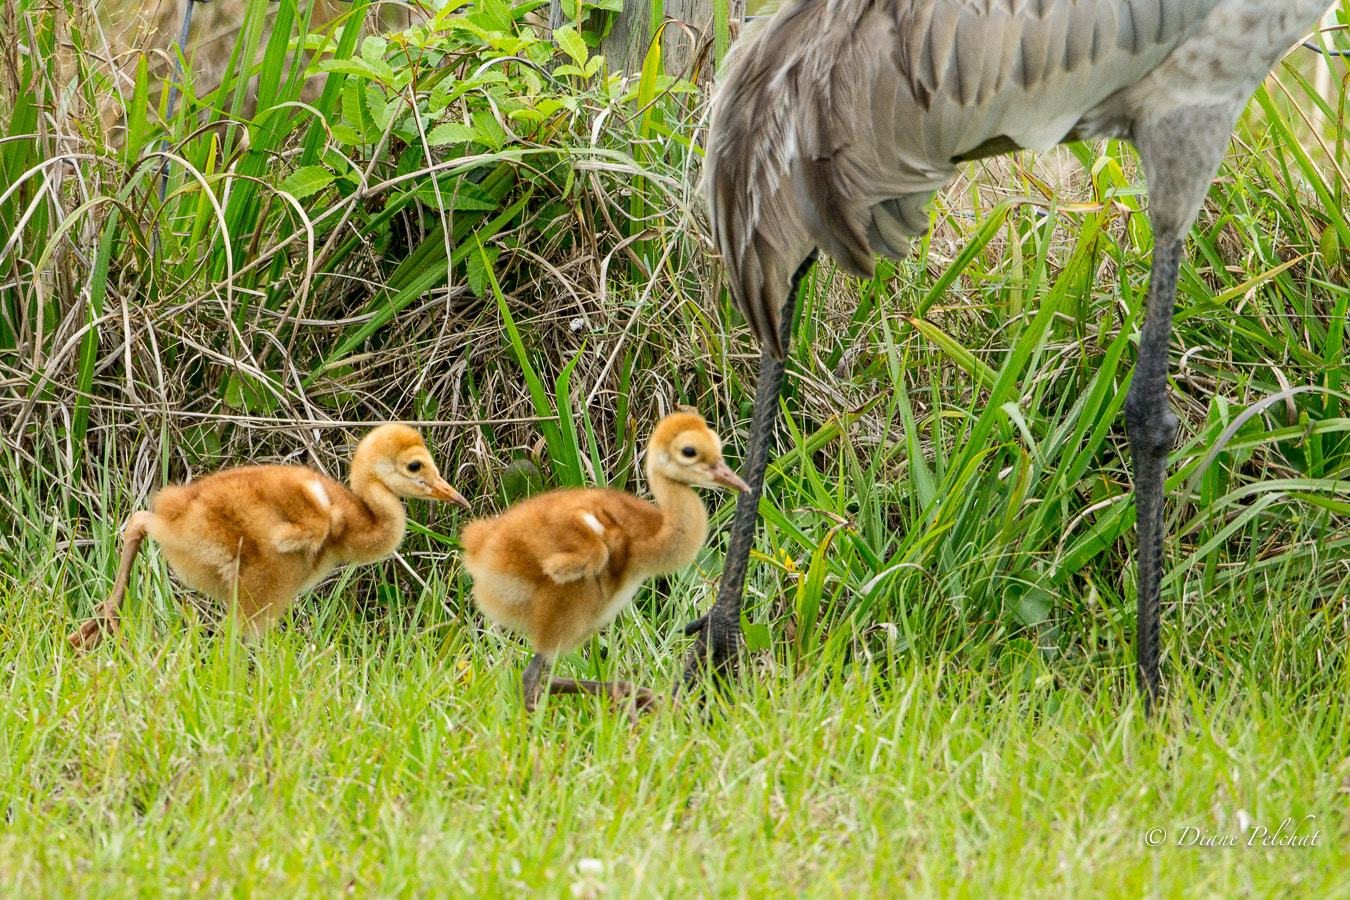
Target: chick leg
x,y
90,634
534,683
530,681
616,691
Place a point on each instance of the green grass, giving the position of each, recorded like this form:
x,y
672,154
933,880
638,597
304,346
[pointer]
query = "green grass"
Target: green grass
x,y
398,763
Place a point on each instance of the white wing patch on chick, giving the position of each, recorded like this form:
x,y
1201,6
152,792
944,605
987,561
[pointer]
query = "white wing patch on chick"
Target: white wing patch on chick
x,y
316,491
593,524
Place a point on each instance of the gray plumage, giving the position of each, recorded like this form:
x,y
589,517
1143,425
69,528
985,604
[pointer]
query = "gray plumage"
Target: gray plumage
x,y
837,121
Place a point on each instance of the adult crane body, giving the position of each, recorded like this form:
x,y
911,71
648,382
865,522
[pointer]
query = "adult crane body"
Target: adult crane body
x,y
838,120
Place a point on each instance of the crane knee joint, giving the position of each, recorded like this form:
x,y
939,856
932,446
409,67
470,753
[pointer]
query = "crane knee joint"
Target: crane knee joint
x,y
1151,428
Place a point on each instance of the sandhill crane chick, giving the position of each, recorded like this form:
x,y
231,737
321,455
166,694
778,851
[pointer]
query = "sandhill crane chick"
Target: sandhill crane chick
x,y
256,537
559,567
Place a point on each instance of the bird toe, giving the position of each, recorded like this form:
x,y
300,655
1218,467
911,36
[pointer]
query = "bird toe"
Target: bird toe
x,y
713,659
90,634
696,626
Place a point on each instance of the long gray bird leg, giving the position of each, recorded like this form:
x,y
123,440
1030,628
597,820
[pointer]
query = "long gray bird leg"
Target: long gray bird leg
x,y
719,631
1180,151
1152,428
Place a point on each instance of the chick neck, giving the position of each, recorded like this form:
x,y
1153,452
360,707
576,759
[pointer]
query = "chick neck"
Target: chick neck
x,y
380,520
684,524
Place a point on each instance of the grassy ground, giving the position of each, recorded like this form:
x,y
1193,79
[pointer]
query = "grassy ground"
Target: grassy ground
x,y
399,763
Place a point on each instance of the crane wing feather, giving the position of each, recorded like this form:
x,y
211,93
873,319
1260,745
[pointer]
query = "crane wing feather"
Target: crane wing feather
x,y
837,121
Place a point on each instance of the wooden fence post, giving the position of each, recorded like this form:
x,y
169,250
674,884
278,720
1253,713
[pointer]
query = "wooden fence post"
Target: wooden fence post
x,y
688,39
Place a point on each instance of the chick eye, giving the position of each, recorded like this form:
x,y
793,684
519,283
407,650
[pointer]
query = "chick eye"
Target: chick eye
x,y
414,466
689,452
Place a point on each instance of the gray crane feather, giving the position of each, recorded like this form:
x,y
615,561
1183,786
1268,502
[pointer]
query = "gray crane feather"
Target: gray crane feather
x,y
838,120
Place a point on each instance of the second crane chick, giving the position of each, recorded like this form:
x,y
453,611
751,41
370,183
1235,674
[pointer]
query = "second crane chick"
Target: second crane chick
x,y
559,567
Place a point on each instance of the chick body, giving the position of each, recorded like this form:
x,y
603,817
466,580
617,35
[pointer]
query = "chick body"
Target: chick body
x,y
561,566
256,537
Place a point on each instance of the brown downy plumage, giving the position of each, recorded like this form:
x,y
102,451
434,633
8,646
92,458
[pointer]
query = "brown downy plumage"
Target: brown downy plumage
x,y
559,567
257,537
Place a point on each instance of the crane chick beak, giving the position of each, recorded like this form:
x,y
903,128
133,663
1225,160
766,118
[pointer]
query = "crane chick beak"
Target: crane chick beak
x,y
722,474
441,490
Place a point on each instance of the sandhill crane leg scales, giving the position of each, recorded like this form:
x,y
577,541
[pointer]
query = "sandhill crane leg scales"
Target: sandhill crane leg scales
x,y
719,631
1152,427
1180,152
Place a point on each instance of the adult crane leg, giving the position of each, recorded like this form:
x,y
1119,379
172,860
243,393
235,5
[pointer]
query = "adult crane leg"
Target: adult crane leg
x,y
719,630
1180,151
1152,428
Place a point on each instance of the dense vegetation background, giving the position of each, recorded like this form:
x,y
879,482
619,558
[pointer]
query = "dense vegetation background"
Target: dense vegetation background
x,y
452,218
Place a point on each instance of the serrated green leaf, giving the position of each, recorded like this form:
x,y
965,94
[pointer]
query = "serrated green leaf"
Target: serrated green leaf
x,y
305,181
355,111
373,49
379,71
470,26
464,195
409,160
346,134
382,110
490,132
439,98
478,266
508,44
494,15
547,107
450,133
